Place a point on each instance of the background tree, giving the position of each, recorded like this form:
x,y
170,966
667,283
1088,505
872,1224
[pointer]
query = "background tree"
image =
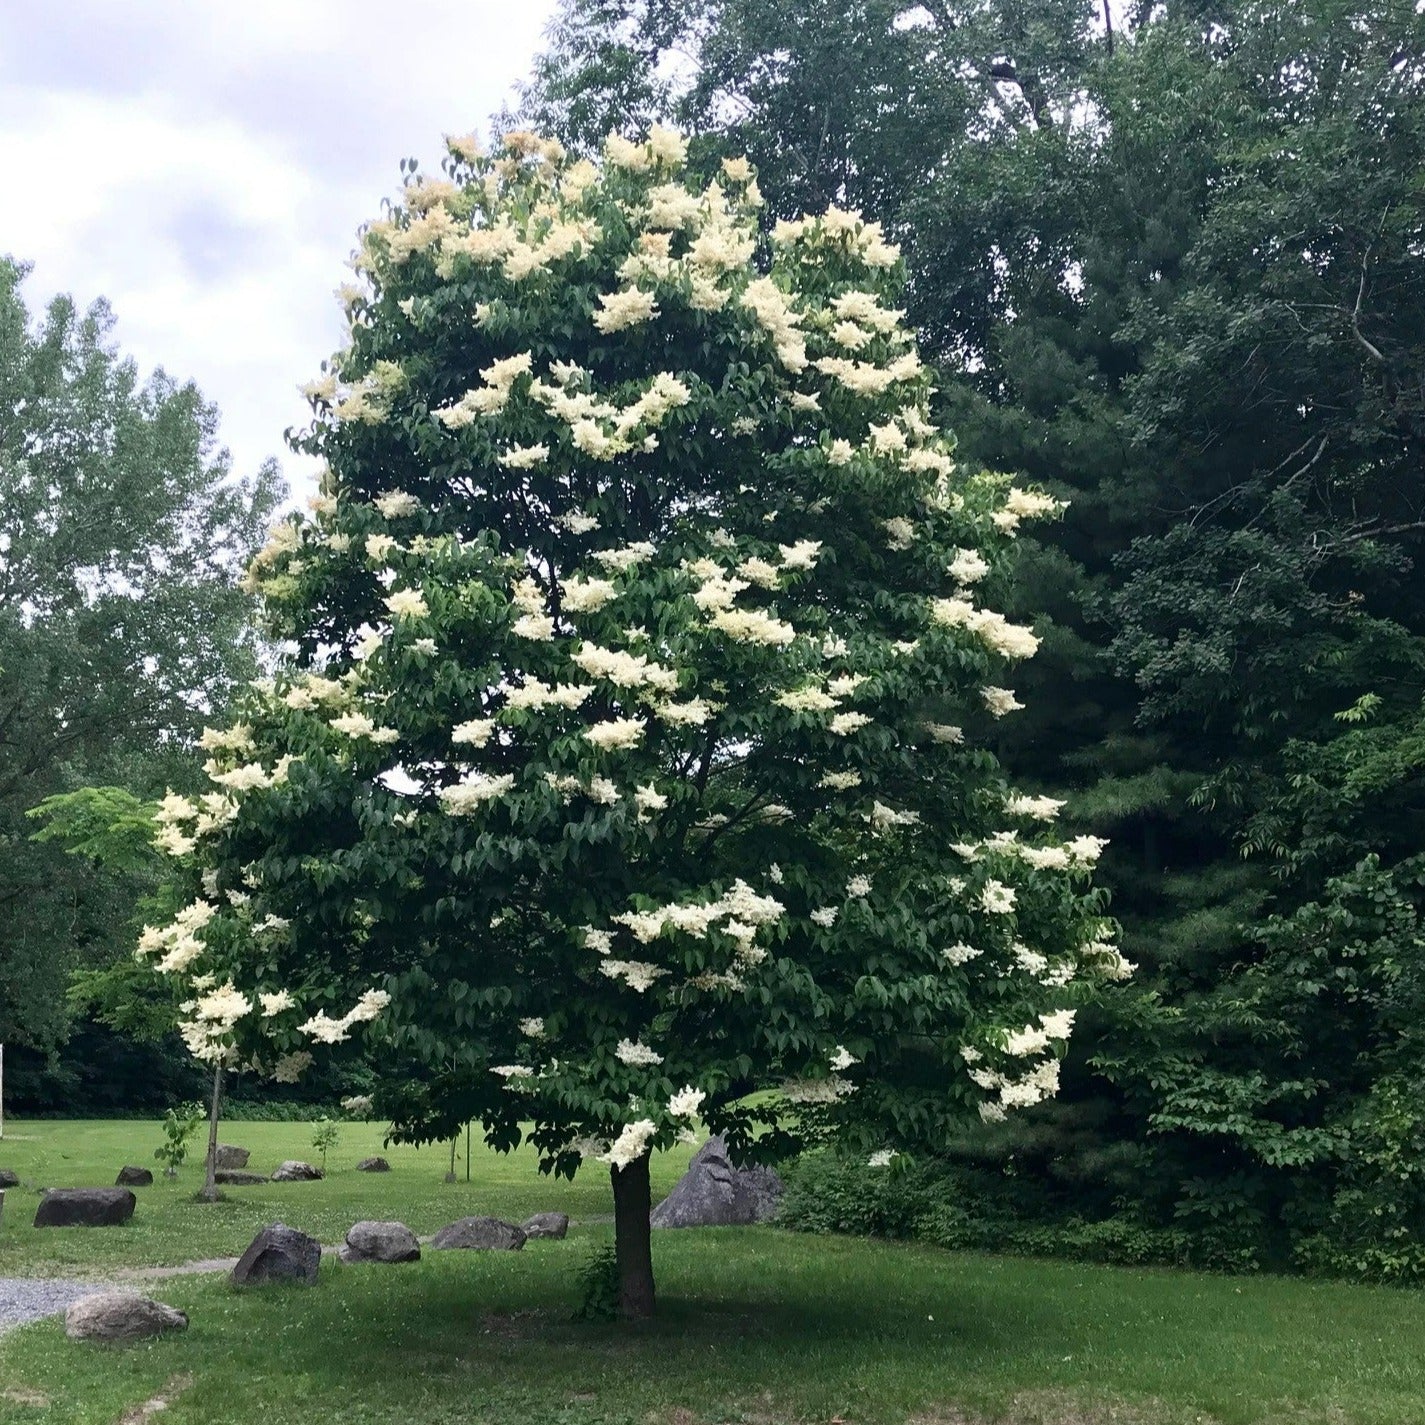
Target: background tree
x,y
122,533
1170,274
631,766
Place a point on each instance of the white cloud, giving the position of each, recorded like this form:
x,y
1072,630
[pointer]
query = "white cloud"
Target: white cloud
x,y
205,167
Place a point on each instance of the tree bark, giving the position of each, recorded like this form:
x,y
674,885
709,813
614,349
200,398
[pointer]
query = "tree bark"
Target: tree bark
x,y
210,1180
633,1245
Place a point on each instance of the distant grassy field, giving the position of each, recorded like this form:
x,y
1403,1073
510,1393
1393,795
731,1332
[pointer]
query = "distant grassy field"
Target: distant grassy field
x,y
755,1325
168,1227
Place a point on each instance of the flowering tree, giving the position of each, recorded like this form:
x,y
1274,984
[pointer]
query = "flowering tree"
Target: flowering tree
x,y
626,772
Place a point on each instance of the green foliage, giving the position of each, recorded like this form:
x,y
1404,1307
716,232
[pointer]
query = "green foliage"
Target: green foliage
x,y
829,1192
967,1207
179,1125
122,529
638,696
598,1282
1177,277
326,1134
113,831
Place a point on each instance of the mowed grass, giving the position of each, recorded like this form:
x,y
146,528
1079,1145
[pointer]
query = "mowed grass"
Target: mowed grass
x,y
755,1325
169,1227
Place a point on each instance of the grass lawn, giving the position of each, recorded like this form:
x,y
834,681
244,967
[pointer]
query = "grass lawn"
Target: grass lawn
x,y
168,1227
755,1325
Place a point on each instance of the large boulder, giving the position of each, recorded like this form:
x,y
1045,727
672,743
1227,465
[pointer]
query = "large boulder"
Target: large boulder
x,y
715,1193
85,1207
120,1316
130,1176
380,1242
9,1178
230,1157
478,1234
546,1224
279,1254
237,1177
293,1171
373,1165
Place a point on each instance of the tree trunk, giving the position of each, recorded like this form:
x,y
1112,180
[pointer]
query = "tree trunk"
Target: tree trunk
x,y
632,1244
210,1181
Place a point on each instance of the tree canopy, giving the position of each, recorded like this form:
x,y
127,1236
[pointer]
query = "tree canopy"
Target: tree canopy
x,y
122,533
1171,273
631,768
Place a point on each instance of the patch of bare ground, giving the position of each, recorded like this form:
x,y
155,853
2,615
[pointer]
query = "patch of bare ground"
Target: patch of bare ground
x,y
1049,1407
173,1387
23,1395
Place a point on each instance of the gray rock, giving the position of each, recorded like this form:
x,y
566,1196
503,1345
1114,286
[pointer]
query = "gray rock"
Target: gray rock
x,y
714,1193
9,1178
120,1316
546,1224
380,1242
373,1165
130,1176
293,1171
230,1157
479,1234
236,1177
279,1254
85,1207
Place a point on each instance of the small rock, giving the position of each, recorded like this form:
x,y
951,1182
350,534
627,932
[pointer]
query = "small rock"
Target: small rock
x,y
9,1178
230,1157
373,1165
714,1193
546,1224
279,1254
120,1316
479,1234
293,1171
85,1207
236,1177
130,1176
380,1242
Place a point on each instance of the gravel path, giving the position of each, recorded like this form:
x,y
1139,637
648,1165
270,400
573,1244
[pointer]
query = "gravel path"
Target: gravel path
x,y
25,1299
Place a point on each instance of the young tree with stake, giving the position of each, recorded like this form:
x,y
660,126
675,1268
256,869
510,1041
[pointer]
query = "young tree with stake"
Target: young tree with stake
x,y
626,773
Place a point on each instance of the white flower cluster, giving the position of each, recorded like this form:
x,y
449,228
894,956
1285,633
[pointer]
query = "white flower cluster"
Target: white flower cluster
x,y
741,904
326,1030
1011,640
466,797
631,1144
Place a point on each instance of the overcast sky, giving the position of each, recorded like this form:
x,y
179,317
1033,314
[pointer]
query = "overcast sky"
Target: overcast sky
x,y
205,165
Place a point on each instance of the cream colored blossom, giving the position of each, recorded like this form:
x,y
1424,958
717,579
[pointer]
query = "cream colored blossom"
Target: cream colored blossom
x,y
467,797
628,308
686,1102
396,503
752,626
968,567
631,1144
475,733
407,603
997,898
1000,701
587,595
639,1055
618,732
524,457
806,699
